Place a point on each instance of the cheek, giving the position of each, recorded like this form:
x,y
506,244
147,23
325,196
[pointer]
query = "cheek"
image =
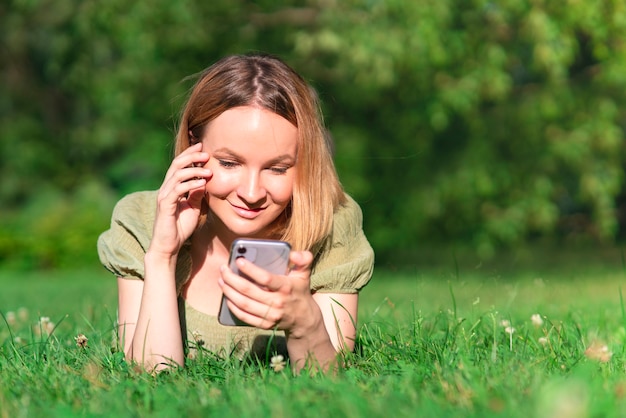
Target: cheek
x,y
220,185
281,189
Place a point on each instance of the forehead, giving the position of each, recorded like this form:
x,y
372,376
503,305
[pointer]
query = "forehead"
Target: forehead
x,y
251,129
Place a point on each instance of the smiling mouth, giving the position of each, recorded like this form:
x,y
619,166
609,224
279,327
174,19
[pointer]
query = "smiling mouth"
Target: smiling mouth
x,y
245,212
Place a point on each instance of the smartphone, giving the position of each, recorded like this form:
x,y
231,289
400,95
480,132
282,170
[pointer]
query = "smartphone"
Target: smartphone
x,y
271,255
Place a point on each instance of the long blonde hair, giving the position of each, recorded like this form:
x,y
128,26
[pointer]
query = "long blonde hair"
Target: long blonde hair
x,y
266,81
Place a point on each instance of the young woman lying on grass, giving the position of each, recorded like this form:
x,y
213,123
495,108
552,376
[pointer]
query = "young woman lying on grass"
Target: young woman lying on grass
x,y
252,160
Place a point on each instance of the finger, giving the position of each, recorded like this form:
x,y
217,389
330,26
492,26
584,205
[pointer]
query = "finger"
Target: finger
x,y
301,261
261,311
195,197
187,169
172,194
194,156
246,281
184,180
260,276
191,157
240,304
184,156
263,321
188,165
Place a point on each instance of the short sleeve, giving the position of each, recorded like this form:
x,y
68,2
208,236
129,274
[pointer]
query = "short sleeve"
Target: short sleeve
x,y
346,261
123,246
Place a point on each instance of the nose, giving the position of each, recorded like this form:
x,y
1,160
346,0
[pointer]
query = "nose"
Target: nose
x,y
251,189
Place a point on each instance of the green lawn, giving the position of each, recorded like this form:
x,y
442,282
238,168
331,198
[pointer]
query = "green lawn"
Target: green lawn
x,y
553,284
433,342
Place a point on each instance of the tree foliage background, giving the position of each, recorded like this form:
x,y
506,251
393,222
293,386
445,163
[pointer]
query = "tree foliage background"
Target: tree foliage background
x,y
481,123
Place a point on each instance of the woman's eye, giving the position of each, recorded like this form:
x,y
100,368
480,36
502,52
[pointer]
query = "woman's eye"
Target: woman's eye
x,y
227,163
279,170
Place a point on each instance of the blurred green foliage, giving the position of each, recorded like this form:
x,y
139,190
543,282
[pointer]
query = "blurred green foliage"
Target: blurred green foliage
x,y
478,122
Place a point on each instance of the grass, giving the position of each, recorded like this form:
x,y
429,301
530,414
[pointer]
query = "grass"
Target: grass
x,y
433,341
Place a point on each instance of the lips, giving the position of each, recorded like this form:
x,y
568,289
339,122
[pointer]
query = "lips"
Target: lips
x,y
247,213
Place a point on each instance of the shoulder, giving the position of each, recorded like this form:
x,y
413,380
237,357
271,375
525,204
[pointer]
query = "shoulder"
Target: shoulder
x,y
138,204
121,248
347,220
135,212
345,261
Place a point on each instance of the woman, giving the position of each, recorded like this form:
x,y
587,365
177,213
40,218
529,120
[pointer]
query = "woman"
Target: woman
x,y
252,160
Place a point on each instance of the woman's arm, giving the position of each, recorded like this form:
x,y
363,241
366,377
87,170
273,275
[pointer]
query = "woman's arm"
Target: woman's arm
x,y
159,325
148,319
148,312
340,317
128,303
319,345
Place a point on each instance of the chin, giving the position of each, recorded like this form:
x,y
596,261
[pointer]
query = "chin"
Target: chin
x,y
244,229
264,230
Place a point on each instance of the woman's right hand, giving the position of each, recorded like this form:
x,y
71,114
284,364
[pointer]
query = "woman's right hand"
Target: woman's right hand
x,y
179,201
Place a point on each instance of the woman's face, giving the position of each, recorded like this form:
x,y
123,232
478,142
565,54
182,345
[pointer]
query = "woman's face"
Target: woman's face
x,y
253,157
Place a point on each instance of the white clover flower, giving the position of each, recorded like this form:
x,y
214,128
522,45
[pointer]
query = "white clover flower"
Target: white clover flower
x,y
505,323
44,325
277,363
10,318
509,330
598,351
536,320
197,338
81,341
22,314
543,340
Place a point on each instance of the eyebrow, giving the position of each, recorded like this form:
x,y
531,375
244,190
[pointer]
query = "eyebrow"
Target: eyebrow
x,y
278,159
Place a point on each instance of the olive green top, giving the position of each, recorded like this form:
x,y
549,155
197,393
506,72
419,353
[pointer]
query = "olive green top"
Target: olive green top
x,y
344,264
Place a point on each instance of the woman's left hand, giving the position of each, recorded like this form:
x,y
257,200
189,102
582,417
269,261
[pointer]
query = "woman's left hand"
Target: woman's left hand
x,y
270,301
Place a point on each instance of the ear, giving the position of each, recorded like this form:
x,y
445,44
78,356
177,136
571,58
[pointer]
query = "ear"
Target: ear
x,y
192,138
